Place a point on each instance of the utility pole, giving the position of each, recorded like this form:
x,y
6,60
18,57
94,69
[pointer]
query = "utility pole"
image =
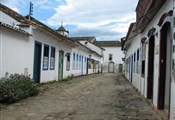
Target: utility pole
x,y
30,10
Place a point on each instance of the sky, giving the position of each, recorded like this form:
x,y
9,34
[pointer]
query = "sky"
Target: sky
x,y
104,19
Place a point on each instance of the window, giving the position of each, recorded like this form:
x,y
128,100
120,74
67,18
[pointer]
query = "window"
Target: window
x,y
137,62
110,56
52,58
134,57
137,54
46,57
73,61
89,63
143,68
68,61
143,49
77,63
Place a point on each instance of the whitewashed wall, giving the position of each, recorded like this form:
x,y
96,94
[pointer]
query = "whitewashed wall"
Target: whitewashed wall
x,y
92,47
165,8
16,49
117,57
135,45
83,52
143,82
16,53
45,38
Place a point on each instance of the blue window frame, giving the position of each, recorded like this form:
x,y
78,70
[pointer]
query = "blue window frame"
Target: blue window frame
x,y
77,63
52,58
74,58
46,57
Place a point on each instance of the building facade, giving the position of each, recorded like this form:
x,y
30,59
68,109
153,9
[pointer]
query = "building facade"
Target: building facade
x,y
149,50
112,56
31,48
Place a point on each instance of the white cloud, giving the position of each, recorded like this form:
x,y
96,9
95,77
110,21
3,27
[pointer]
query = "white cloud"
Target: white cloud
x,y
91,17
91,14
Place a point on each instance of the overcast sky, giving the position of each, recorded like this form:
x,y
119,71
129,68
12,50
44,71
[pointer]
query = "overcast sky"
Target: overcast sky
x,y
105,19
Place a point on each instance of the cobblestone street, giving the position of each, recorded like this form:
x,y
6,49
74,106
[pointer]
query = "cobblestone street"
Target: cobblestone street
x,y
93,97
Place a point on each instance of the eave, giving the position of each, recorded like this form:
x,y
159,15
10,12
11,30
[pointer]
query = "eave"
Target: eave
x,y
15,29
42,26
148,13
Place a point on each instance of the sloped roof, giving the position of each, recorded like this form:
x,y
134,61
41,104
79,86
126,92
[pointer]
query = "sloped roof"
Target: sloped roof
x,y
87,38
131,31
61,28
32,21
52,31
13,14
108,43
89,49
14,28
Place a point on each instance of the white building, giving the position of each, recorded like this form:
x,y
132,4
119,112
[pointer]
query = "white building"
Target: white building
x,y
30,47
112,56
149,54
97,51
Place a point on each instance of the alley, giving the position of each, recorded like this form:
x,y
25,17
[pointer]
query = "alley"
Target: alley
x,y
93,97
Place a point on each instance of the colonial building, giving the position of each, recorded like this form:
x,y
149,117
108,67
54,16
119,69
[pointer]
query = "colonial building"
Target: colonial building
x,y
30,47
112,56
96,58
149,54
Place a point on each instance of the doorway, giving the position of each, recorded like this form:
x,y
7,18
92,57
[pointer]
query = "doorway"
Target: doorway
x,y
82,65
164,68
111,67
60,67
37,62
150,77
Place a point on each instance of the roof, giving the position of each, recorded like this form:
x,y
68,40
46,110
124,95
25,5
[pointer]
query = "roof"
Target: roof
x,y
87,38
89,49
32,21
50,30
61,28
131,31
108,43
14,28
146,11
14,14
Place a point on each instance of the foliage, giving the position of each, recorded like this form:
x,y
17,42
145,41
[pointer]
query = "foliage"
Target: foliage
x,y
16,87
69,77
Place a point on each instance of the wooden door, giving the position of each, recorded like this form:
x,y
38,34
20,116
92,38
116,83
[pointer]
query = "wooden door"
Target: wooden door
x,y
37,62
61,63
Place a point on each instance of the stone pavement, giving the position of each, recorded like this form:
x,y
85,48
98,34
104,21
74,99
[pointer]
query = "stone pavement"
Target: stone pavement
x,y
94,97
131,105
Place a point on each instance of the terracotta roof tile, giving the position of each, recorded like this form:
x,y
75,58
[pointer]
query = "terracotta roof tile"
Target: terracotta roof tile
x,y
15,28
108,43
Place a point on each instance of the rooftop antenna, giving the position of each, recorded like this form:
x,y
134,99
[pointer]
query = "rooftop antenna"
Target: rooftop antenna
x,y
30,10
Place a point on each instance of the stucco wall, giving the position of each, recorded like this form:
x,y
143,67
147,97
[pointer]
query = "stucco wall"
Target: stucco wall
x,y
135,44
117,57
17,53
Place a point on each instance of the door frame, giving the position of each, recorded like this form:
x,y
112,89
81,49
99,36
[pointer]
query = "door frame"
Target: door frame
x,y
109,67
38,65
150,70
161,82
60,73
